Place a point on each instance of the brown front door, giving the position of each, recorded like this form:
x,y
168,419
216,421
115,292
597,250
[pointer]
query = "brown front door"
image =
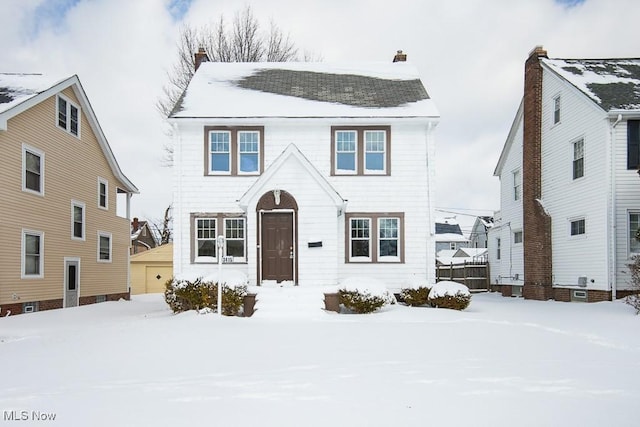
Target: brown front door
x,y
277,246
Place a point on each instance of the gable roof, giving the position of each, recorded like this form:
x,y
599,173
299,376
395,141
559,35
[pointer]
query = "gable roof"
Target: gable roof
x,y
517,121
305,89
290,152
613,84
448,228
19,92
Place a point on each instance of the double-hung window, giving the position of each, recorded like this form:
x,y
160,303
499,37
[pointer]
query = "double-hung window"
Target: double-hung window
x,y
32,254
234,150
32,170
234,233
104,246
556,110
103,193
68,116
77,220
517,237
360,150
374,237
206,238
577,227
634,233
578,159
498,248
633,144
517,185
206,229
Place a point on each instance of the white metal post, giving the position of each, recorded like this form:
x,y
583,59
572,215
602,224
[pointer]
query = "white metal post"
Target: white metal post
x,y
220,245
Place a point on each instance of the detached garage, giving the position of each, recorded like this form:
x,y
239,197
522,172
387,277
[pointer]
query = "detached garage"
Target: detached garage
x,y
151,269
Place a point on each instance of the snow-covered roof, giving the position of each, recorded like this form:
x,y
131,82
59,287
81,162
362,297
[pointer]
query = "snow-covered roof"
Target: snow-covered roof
x,y
613,84
450,237
448,228
16,88
471,252
305,89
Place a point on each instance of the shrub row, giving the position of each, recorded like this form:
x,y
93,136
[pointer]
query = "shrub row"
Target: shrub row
x,y
185,295
443,295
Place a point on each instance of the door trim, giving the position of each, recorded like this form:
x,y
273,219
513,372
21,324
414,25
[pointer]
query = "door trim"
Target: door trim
x,y
68,260
294,218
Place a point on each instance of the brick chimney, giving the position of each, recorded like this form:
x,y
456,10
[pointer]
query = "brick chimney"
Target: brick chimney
x,y
400,57
199,57
537,222
135,224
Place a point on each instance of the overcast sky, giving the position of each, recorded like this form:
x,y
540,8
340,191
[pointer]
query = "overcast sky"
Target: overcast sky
x,y
470,54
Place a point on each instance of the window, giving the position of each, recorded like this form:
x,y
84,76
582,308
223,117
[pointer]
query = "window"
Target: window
x,y
32,254
556,110
77,220
32,170
634,230
517,237
452,246
206,238
633,144
103,193
205,229
578,227
517,185
360,150
68,116
234,150
249,152
234,233
374,237
498,248
346,151
104,247
578,159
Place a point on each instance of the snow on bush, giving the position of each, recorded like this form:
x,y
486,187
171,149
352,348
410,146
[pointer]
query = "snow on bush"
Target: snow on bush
x,y
448,294
202,295
364,294
416,292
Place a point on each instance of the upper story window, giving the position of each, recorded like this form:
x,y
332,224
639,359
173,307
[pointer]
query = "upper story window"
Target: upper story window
x,y
32,170
77,220
360,150
577,227
578,159
32,254
103,193
374,237
633,144
517,185
234,150
556,110
68,116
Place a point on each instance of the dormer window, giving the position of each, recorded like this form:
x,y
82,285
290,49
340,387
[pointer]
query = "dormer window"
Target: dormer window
x,y
68,116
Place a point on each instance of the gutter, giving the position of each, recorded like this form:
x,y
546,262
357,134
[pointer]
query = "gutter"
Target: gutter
x,y
613,225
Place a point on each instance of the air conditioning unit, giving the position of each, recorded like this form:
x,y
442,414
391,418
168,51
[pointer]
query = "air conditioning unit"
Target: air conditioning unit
x,y
582,281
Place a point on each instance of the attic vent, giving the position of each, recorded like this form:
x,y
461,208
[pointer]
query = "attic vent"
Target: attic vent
x,y
582,281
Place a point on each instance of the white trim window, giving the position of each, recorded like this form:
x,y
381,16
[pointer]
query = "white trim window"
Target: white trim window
x,y
32,170
360,239
205,240
634,233
220,152
105,246
517,237
388,239
556,110
498,248
77,220
375,156
32,262
517,185
578,158
248,152
103,193
577,227
68,116
346,152
234,229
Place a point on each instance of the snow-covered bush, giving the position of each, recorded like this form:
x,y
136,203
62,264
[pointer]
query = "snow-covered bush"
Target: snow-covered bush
x,y
364,295
415,297
448,294
184,295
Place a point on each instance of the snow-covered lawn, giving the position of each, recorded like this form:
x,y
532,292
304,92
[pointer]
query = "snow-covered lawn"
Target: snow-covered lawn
x,y
501,362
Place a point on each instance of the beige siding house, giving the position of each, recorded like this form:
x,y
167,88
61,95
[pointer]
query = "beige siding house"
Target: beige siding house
x,y
62,242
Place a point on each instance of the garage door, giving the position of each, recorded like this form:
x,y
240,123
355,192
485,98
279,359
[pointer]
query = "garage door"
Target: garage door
x,y
156,277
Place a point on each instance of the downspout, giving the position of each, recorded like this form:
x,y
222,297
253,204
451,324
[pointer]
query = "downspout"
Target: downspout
x,y
613,229
430,233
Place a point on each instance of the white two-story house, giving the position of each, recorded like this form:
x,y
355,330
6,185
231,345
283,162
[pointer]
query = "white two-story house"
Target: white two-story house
x,y
570,191
312,172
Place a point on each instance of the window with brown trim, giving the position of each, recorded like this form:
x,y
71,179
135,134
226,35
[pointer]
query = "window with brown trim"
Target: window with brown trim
x,y
361,150
206,227
374,237
233,151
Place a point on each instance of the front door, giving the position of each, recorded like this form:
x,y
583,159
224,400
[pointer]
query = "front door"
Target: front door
x,y
278,249
71,282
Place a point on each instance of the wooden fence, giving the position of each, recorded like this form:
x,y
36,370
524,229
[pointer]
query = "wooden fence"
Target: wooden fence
x,y
474,275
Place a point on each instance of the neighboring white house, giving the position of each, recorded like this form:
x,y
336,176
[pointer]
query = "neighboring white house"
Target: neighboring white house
x,y
313,172
449,235
570,191
478,238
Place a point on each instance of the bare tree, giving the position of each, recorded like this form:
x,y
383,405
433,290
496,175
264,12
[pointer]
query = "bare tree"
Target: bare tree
x,y
163,228
244,41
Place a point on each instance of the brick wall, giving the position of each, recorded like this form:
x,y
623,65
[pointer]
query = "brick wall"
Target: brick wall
x,y
13,308
58,303
50,304
507,290
537,224
562,294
